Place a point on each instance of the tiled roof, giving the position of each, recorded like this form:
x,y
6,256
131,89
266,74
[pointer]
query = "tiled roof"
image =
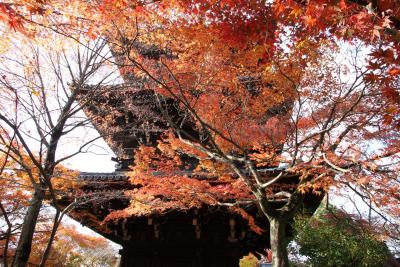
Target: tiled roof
x,y
103,176
123,176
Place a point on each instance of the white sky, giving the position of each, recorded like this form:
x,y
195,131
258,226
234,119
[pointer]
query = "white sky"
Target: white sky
x,y
97,160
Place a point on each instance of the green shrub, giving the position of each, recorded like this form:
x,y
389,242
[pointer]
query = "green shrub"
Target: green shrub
x,y
334,239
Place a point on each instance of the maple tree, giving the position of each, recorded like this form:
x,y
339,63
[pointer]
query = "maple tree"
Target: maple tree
x,y
262,84
263,87
320,131
32,17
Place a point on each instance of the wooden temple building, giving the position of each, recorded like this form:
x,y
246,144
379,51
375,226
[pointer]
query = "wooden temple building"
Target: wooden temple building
x,y
202,237
208,236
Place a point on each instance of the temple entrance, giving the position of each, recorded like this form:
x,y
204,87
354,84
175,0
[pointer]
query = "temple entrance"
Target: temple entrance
x,y
180,256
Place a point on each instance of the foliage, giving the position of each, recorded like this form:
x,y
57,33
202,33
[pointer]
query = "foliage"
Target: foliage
x,y
335,239
72,248
263,86
163,184
263,83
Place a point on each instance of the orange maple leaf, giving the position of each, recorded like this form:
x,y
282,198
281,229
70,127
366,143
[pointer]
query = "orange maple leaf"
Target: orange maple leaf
x,y
309,20
394,71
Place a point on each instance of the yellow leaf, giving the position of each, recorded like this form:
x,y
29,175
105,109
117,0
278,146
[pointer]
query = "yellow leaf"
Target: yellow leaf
x,y
35,92
295,12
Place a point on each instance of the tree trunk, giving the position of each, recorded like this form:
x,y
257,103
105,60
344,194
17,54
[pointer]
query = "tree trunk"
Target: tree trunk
x,y
8,234
46,253
28,228
278,243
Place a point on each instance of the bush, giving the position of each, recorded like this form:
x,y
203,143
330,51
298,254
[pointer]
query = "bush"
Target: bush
x,y
334,239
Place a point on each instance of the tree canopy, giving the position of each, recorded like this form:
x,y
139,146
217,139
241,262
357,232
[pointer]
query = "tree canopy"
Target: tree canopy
x,y
309,88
